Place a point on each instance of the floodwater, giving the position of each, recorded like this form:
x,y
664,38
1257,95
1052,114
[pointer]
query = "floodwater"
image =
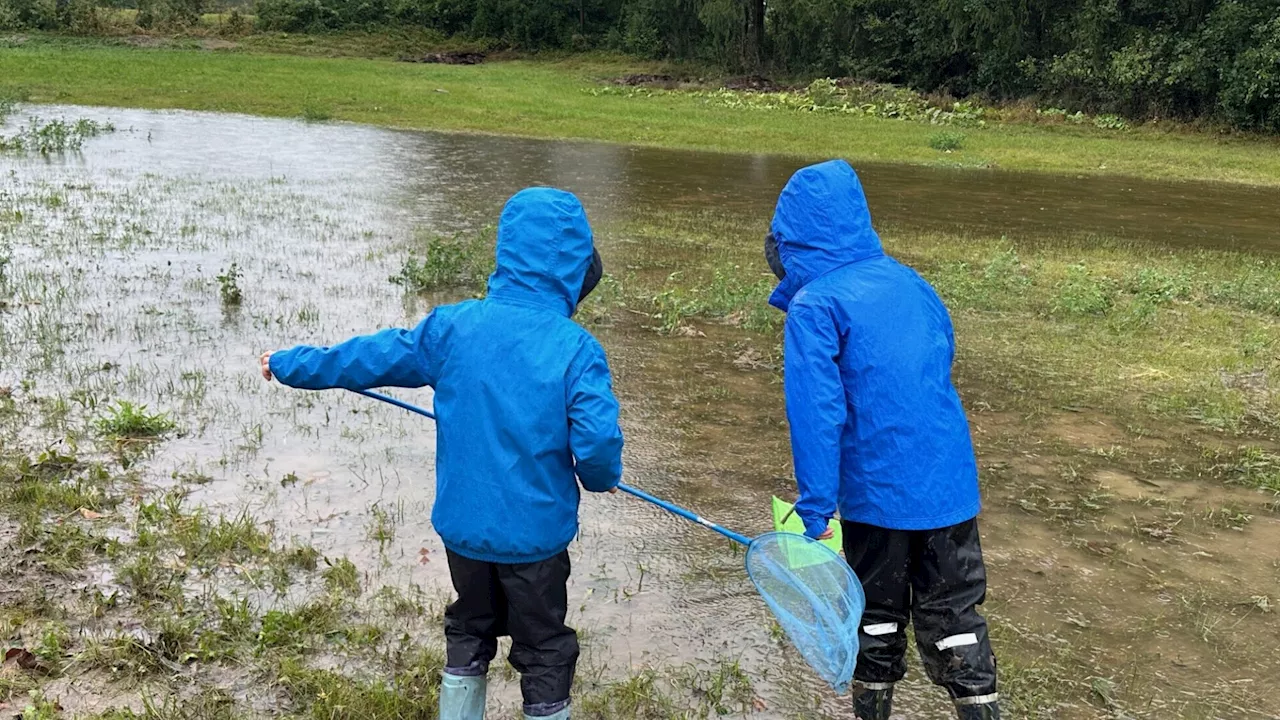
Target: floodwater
x,y
117,252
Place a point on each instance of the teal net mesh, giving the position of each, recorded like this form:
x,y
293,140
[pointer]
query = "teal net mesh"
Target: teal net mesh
x,y
816,599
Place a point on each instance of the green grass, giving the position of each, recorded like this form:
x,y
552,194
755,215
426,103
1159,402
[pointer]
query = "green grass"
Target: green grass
x,y
553,99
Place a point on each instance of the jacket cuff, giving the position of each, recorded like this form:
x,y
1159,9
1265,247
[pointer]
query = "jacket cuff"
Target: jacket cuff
x,y
814,525
279,367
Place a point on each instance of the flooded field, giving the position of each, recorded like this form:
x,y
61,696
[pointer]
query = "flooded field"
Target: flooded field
x,y
1134,552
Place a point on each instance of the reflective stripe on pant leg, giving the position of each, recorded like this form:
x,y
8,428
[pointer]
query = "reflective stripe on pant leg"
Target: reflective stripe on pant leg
x,y
879,558
978,699
949,582
876,686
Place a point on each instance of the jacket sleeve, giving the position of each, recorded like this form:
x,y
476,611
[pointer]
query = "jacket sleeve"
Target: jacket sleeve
x,y
390,358
816,411
594,435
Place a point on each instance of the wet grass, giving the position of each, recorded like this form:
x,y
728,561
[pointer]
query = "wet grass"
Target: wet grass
x,y
1189,335
156,634
555,99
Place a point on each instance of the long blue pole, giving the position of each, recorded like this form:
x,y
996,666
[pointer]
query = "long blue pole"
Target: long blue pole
x,y
686,514
669,507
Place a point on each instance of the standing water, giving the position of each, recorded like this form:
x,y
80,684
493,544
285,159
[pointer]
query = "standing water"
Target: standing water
x,y
116,261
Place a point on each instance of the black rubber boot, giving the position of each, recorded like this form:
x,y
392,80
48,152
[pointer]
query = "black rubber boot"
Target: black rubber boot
x,y
984,711
873,704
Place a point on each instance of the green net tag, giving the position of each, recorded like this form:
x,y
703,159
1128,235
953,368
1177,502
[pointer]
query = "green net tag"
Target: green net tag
x,y
785,520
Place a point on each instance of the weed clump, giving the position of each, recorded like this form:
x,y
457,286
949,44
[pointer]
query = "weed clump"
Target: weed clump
x,y
1250,467
461,261
1083,293
229,286
53,136
128,421
947,141
341,576
311,112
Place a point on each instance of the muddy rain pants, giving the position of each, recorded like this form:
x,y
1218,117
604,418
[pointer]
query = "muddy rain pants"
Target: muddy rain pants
x,y
936,580
527,602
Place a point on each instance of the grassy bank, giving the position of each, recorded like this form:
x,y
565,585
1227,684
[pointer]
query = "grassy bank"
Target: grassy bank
x,y
555,99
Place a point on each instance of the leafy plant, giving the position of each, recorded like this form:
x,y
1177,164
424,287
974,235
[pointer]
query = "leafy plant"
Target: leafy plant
x,y
229,286
464,260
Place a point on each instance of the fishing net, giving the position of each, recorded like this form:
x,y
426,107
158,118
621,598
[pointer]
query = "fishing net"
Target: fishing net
x,y
815,597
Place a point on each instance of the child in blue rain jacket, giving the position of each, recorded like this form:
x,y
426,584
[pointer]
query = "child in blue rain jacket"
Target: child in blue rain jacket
x,y
526,414
879,435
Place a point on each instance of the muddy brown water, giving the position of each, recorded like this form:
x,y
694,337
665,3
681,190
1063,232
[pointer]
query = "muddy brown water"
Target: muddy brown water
x,y
114,261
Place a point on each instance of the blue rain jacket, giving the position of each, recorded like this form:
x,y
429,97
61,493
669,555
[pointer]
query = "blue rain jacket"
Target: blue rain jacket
x,y
877,428
523,393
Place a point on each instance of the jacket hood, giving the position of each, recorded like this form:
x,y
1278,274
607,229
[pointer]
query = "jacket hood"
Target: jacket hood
x,y
821,223
544,250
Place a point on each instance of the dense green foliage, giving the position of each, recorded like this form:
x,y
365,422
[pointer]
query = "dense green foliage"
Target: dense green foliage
x,y
1217,59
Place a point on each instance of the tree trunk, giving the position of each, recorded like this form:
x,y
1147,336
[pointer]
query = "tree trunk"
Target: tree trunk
x,y
757,33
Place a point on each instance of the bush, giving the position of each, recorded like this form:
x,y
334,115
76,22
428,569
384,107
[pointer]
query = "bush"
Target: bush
x,y
28,15
176,14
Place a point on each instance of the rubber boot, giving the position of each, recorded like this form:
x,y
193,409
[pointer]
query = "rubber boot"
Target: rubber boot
x,y
561,714
983,711
462,697
874,703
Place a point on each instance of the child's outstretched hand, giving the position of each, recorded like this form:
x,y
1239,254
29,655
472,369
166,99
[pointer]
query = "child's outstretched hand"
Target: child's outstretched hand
x,y
264,364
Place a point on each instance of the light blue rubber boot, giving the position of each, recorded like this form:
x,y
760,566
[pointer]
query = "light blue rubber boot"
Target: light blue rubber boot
x,y
462,697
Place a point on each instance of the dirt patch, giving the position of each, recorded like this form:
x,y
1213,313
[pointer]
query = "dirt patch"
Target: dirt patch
x,y
753,83
453,57
218,44
145,41
1085,431
1125,486
645,80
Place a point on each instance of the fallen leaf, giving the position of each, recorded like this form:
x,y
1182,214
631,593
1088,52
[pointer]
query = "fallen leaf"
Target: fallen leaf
x,y
24,659
88,514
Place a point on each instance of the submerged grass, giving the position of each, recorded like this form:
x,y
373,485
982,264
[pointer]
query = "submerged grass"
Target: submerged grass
x,y
47,137
552,98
